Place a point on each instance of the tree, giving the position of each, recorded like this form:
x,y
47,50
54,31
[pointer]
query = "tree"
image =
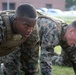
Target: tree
x,y
70,3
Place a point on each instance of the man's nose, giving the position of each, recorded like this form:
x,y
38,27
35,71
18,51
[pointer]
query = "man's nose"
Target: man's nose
x,y
30,29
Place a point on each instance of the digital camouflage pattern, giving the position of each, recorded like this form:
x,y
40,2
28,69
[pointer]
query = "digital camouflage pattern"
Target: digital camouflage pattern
x,y
9,40
25,57
30,49
61,59
51,32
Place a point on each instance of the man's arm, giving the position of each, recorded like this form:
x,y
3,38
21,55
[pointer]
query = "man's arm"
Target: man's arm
x,y
30,53
71,53
49,38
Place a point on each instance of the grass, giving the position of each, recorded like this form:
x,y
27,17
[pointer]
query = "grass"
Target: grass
x,y
57,49
68,19
60,70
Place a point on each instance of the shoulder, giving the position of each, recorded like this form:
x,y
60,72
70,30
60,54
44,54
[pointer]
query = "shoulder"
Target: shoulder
x,y
48,22
1,20
43,17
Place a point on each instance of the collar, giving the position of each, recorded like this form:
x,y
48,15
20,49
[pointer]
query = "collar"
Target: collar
x,y
64,28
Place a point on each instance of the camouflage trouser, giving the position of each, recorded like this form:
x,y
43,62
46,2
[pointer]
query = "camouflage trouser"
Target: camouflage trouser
x,y
46,63
57,60
61,60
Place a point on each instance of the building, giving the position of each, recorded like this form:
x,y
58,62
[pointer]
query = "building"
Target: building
x,y
13,4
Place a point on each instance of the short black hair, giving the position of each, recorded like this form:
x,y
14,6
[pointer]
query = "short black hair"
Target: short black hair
x,y
26,10
73,24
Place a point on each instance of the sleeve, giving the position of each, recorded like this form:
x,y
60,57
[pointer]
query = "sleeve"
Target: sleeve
x,y
71,53
49,38
48,32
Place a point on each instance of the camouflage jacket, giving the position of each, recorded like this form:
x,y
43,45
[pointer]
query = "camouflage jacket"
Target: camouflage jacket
x,y
9,40
51,31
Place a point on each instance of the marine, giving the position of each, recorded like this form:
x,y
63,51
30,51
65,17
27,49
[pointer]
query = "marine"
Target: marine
x,y
54,32
19,41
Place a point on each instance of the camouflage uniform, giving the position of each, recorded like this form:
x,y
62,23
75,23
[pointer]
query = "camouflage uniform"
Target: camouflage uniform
x,y
30,49
65,60
51,32
25,57
61,59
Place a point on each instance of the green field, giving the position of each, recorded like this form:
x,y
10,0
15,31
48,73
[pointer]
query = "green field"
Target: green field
x,y
60,70
68,19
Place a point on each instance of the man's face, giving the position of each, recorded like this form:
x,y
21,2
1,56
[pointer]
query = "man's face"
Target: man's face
x,y
71,37
25,26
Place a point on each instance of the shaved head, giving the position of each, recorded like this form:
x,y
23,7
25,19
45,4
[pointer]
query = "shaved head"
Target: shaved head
x,y
26,10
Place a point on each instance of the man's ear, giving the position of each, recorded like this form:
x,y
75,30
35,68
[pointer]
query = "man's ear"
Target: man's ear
x,y
15,21
71,30
15,24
